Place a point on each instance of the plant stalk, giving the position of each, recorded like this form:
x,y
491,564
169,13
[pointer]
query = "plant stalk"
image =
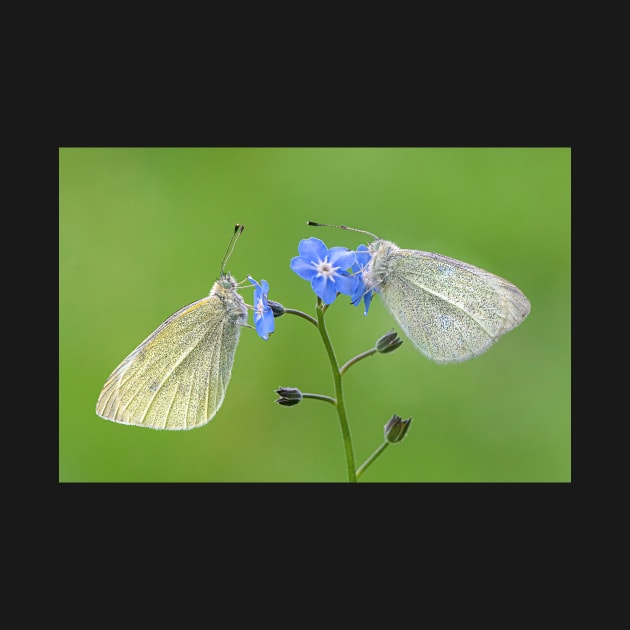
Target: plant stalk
x,y
341,405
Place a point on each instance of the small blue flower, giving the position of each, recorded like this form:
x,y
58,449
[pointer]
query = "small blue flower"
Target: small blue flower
x,y
326,269
363,258
263,315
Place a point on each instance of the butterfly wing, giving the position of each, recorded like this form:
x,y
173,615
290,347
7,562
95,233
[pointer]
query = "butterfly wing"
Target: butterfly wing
x,y
177,377
451,311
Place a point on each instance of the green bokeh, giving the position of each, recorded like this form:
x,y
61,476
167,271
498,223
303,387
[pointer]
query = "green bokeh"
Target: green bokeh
x,y
142,233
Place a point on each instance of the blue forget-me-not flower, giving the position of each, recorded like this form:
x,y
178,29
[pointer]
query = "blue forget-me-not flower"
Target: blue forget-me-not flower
x,y
263,315
326,269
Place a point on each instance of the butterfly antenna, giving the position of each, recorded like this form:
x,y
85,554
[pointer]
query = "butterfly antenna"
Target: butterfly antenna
x,y
343,227
238,230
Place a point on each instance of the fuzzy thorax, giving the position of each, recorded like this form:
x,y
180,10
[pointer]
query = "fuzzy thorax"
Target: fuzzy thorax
x,y
225,289
378,268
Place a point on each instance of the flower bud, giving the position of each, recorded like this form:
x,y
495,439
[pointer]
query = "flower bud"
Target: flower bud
x,y
289,396
389,342
396,429
276,308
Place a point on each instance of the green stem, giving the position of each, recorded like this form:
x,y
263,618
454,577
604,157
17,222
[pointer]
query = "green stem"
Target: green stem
x,y
351,362
308,318
341,406
332,401
371,458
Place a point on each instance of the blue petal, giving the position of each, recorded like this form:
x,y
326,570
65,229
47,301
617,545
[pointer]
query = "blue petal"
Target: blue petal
x,y
265,324
324,289
363,258
359,291
257,289
366,300
312,249
303,267
345,284
341,257
362,292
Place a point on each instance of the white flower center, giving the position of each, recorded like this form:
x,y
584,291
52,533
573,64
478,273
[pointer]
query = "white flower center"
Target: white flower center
x,y
325,269
260,308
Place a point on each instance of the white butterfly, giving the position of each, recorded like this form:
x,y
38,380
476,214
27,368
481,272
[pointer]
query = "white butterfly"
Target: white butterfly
x,y
177,377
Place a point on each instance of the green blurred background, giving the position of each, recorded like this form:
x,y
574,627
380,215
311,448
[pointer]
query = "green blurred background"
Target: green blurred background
x,y
142,233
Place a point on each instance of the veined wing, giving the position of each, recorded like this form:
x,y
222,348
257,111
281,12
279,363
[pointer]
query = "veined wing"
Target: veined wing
x,y
451,311
177,377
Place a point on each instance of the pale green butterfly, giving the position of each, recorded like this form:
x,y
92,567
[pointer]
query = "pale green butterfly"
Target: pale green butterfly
x,y
177,377
451,311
